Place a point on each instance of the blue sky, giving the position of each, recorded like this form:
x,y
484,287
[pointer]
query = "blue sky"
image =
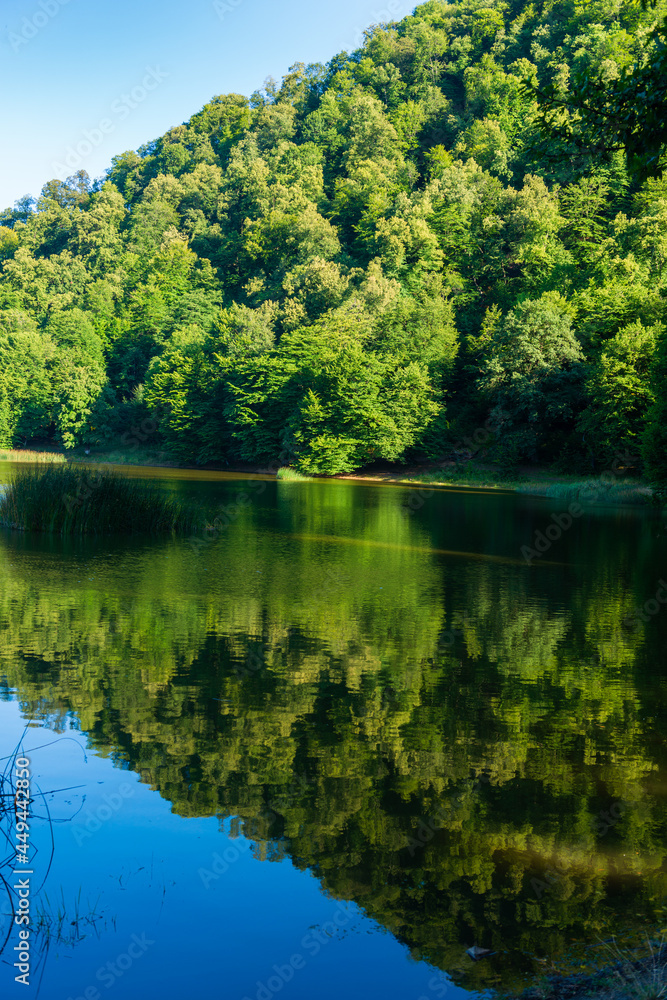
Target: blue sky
x,y
67,67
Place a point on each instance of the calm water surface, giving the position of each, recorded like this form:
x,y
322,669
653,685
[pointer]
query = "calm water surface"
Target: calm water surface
x,y
326,747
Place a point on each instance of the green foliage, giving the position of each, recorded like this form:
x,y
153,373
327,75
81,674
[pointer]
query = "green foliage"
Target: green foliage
x,y
9,455
9,242
530,373
421,328
331,403
185,384
620,393
26,385
408,184
358,407
616,106
654,450
287,474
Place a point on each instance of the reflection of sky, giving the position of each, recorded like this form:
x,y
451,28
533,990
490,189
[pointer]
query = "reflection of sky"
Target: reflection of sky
x,y
141,871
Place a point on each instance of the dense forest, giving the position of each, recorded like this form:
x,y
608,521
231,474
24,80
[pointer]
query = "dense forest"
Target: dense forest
x,y
461,225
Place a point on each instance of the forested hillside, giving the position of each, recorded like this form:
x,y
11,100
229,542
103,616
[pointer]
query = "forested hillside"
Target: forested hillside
x,y
461,225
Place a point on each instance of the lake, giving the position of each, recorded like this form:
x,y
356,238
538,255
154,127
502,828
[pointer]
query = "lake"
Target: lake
x,y
331,744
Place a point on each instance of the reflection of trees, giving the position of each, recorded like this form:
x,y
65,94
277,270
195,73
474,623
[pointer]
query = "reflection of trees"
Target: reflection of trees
x,y
272,679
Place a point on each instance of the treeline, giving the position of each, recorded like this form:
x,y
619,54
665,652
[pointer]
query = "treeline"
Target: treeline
x,y
368,260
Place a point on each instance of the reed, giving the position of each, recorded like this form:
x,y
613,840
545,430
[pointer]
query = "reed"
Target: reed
x,y
22,455
287,474
77,500
642,976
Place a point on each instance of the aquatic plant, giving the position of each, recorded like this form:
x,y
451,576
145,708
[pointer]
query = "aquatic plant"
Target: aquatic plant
x,y
50,924
12,455
7,846
66,924
640,976
291,475
74,500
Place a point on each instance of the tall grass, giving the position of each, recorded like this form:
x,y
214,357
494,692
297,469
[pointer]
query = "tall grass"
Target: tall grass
x,y
462,474
641,975
75,500
12,455
288,474
597,491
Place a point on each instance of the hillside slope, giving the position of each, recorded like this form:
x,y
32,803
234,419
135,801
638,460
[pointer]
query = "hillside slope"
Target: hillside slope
x,y
371,259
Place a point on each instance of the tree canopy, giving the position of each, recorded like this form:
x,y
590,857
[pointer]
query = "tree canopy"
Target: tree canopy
x,y
363,260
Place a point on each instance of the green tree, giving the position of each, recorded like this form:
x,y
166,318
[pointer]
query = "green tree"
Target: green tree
x,y
531,374
654,444
624,109
26,390
620,393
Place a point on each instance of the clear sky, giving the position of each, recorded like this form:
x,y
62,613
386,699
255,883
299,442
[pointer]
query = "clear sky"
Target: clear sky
x,y
105,76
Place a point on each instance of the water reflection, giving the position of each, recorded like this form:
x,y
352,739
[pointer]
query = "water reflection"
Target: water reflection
x,y
469,748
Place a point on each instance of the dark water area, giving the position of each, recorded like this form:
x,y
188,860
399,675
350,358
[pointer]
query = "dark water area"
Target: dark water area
x,y
339,738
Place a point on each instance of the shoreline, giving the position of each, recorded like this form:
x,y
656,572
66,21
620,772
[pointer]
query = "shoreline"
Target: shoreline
x,y
539,481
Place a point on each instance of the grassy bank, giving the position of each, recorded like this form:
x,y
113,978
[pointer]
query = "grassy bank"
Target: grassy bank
x,y
542,482
74,500
587,491
459,475
22,455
